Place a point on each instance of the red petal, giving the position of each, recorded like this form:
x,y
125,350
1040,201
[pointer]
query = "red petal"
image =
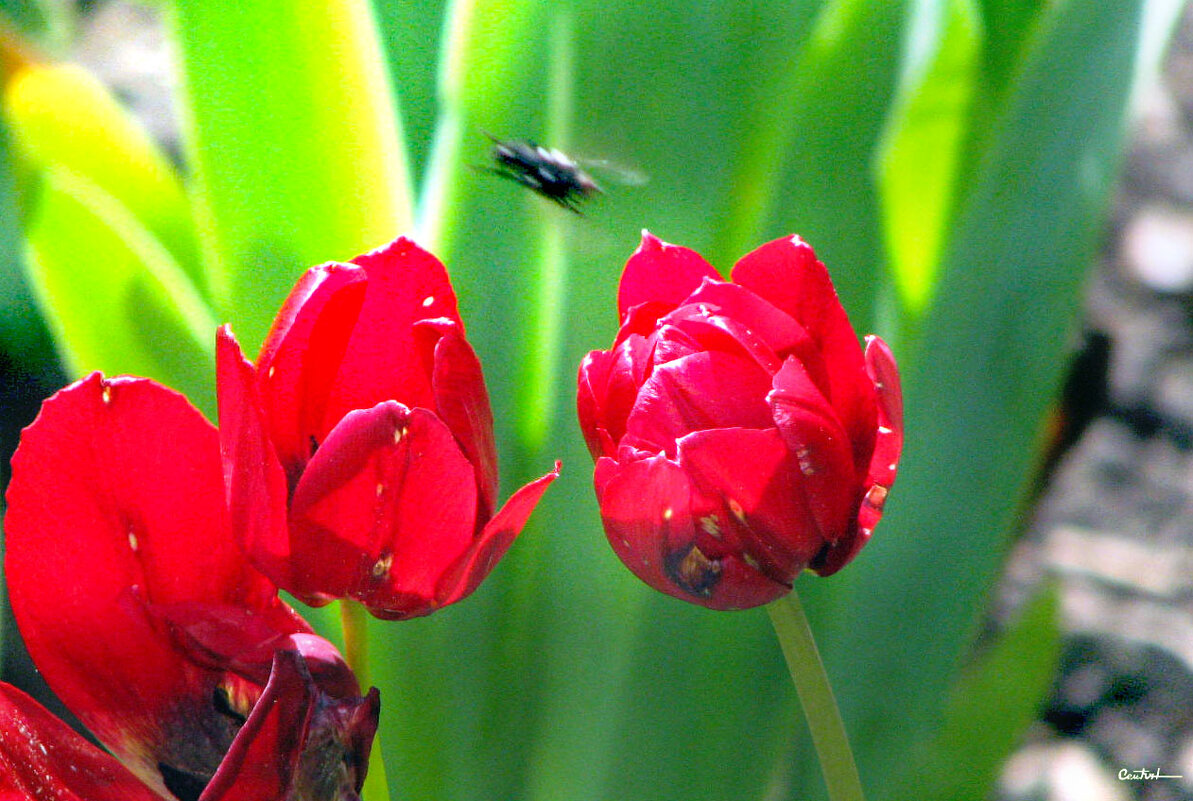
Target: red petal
x,y
888,443
757,506
758,327
116,497
263,760
786,273
42,758
405,284
462,402
813,435
697,392
591,382
386,506
881,367
256,486
496,538
661,273
231,638
298,742
609,382
327,666
645,506
302,355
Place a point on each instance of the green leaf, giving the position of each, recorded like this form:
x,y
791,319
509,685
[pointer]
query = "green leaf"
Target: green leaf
x,y
294,142
979,382
114,298
411,41
63,117
22,331
1010,27
923,147
990,707
805,164
487,57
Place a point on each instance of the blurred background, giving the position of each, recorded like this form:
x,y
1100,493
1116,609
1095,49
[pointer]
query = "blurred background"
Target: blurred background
x,y
1003,189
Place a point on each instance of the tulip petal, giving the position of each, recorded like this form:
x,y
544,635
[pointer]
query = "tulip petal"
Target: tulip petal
x,y
880,365
263,760
756,506
812,433
700,391
608,389
43,758
462,402
256,484
645,507
405,284
298,742
762,330
661,274
592,381
787,273
385,507
116,502
231,638
302,355
496,538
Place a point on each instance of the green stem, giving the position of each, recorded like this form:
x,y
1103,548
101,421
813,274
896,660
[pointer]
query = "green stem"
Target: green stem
x,y
816,697
354,622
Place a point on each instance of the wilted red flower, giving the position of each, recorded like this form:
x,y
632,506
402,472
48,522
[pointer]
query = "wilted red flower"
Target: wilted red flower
x,y
359,451
147,622
739,432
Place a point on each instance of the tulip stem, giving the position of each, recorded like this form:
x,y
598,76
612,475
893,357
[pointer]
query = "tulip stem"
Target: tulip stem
x,y
816,697
354,623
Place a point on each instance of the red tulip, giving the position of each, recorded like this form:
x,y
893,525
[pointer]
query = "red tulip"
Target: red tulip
x,y
359,452
145,619
740,434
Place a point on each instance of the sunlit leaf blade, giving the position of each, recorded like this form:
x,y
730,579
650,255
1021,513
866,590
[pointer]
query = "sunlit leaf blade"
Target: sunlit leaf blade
x,y
922,151
114,298
22,331
294,140
487,61
989,709
537,399
832,107
979,382
1009,28
62,116
410,38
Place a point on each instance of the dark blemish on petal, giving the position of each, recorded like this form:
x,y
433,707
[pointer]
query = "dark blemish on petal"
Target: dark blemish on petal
x,y
693,572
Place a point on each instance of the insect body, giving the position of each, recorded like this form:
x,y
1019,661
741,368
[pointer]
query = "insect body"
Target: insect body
x,y
546,171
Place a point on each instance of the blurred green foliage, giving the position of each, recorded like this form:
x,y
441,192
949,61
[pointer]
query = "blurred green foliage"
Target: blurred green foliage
x,y
950,162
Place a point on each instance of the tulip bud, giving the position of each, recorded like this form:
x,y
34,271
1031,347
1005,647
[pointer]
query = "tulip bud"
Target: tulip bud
x,y
358,450
740,433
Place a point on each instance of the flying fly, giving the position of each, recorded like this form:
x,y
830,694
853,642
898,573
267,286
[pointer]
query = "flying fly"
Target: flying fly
x,y
545,171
